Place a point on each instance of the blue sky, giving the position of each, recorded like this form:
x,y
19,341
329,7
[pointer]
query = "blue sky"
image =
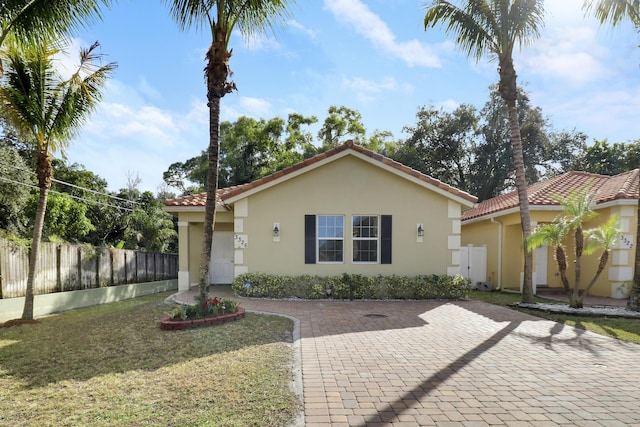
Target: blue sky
x,y
373,56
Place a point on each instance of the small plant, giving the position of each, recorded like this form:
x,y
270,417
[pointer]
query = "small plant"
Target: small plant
x,y
211,307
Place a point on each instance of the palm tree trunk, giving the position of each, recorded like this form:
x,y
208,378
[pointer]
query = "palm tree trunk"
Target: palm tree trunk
x,y
521,185
604,258
508,89
634,298
217,72
44,171
561,258
213,153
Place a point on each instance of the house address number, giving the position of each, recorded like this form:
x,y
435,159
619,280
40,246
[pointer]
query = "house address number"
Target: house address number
x,y
241,241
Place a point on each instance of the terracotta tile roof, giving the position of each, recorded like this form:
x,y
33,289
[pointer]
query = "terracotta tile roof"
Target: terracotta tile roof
x,y
606,189
225,193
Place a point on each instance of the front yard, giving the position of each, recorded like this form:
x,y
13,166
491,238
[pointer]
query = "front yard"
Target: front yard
x,y
112,365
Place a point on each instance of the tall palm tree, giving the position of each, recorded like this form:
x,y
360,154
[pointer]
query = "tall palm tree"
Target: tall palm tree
x,y
47,111
494,27
221,17
615,12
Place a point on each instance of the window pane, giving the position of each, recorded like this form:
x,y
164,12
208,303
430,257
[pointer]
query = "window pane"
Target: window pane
x,y
365,250
365,226
330,251
330,226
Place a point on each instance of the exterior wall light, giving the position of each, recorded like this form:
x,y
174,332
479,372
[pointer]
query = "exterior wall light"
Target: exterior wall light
x,y
420,230
276,229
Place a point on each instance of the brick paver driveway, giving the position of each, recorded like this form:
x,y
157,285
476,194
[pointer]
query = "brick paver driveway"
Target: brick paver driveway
x,y
456,363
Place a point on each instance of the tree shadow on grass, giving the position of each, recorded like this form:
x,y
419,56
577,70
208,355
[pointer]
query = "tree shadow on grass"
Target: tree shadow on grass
x,y
120,337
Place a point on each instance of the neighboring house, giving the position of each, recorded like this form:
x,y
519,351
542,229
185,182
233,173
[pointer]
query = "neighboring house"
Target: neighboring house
x,y
348,210
494,225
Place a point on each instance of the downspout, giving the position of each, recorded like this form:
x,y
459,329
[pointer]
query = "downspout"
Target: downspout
x,y
493,221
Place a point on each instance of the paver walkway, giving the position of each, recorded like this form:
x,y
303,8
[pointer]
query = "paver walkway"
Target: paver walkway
x,y
454,363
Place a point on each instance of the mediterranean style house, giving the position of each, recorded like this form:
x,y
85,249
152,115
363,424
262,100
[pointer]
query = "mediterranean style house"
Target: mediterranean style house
x,y
494,225
348,210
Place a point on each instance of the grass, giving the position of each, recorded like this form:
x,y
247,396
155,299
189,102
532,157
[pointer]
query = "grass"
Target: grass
x,y
626,329
112,365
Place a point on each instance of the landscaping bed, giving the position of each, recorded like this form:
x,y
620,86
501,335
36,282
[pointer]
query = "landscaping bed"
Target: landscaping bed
x,y
352,286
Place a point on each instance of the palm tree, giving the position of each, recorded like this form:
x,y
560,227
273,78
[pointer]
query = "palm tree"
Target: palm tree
x,y
494,27
47,111
553,234
30,20
615,12
577,210
221,17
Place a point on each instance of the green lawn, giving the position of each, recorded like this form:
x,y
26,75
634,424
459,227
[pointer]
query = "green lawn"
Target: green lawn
x,y
626,329
112,365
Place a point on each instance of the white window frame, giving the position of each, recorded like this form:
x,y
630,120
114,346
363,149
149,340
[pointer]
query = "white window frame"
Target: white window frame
x,y
355,239
332,238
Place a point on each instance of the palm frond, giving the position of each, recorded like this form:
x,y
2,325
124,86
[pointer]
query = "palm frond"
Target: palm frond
x,y
43,106
614,11
250,16
550,234
602,237
488,26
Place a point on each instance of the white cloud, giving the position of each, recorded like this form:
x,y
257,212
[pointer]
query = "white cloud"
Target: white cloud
x,y
198,115
569,54
369,25
149,91
368,90
255,107
147,125
260,42
448,105
301,28
601,113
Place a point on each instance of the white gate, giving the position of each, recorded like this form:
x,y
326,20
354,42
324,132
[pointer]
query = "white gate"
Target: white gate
x,y
473,263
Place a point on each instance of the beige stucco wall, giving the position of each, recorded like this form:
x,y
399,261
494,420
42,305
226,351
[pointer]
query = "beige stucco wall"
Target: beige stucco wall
x,y
618,270
349,186
485,233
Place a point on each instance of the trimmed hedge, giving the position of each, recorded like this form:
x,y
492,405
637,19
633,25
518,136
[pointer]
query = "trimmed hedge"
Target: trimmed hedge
x,y
352,286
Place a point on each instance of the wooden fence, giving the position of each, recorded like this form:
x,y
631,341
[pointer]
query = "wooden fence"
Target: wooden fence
x,y
75,267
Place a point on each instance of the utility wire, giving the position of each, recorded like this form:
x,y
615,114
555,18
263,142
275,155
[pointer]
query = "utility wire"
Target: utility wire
x,y
67,194
75,186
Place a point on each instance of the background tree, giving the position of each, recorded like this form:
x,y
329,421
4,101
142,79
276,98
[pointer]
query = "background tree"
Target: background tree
x,y
493,161
471,149
15,179
189,177
568,151
249,149
65,219
49,111
298,140
105,210
615,12
149,228
604,158
340,124
493,27
221,17
441,144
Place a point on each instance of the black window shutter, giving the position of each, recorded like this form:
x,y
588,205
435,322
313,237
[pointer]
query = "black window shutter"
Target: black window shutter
x,y
385,243
309,239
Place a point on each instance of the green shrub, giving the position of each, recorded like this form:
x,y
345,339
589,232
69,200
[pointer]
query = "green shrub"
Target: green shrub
x,y
352,286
